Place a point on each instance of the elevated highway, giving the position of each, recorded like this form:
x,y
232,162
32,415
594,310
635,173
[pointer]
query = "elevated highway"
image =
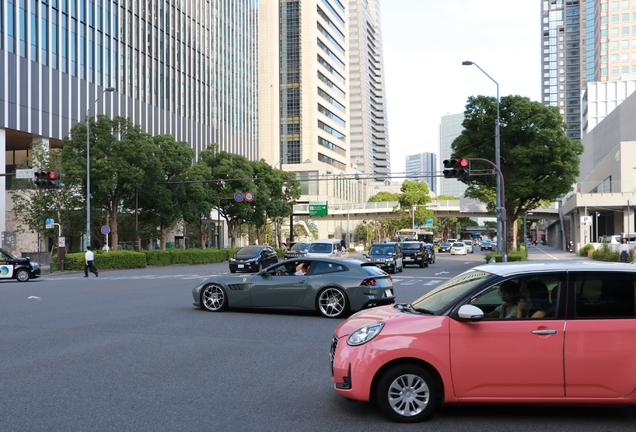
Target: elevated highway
x,y
441,208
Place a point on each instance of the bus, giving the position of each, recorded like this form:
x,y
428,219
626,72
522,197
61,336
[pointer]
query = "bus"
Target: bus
x,y
414,234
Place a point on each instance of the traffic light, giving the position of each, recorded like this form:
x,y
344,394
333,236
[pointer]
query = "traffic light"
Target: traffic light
x,y
456,168
501,213
48,179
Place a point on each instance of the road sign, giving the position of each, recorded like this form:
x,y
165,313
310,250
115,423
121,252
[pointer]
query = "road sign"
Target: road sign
x,y
61,242
318,208
249,196
238,196
25,173
429,223
105,229
49,223
586,220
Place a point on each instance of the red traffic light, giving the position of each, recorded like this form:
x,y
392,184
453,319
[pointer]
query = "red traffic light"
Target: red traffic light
x,y
462,162
51,175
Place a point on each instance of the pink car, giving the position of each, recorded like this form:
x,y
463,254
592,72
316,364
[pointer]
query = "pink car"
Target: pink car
x,y
534,333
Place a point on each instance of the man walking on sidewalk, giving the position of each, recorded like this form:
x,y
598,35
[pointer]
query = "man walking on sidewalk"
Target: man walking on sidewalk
x,y
88,264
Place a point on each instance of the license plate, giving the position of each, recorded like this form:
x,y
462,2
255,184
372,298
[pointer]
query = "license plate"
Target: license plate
x,y
408,259
241,266
388,292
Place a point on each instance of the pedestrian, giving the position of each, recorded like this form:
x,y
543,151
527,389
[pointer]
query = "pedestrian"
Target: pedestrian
x,y
89,262
106,247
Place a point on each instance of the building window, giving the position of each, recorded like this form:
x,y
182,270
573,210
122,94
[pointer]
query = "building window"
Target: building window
x,y
614,18
615,70
615,31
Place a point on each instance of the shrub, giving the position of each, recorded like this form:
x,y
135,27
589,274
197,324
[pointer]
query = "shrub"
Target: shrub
x,y
513,256
605,254
586,251
116,259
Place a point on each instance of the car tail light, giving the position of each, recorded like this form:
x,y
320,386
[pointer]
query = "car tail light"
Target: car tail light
x,y
368,282
419,253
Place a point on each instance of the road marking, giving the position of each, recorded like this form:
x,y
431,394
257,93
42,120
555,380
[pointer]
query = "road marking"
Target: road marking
x,y
442,272
34,298
433,282
418,277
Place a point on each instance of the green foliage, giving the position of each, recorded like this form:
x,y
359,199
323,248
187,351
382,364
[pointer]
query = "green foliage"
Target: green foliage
x,y
32,206
185,256
586,251
121,157
603,253
533,145
512,256
117,259
384,196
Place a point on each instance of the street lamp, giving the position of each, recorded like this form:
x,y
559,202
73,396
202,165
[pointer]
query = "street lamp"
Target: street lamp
x,y
88,167
497,151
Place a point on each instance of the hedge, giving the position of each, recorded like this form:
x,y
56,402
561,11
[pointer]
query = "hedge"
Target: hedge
x,y
512,256
122,259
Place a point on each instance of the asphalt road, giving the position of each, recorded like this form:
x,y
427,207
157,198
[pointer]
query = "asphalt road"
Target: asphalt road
x,y
128,352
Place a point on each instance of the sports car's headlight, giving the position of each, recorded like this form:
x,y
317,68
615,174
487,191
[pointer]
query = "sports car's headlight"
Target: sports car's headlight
x,y
365,334
35,265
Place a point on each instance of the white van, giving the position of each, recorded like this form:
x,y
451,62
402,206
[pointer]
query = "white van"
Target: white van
x,y
324,248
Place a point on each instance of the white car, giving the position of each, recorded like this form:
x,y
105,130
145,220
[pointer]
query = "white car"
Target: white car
x,y
458,248
469,246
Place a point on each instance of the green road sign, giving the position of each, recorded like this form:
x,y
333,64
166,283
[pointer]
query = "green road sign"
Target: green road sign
x,y
318,208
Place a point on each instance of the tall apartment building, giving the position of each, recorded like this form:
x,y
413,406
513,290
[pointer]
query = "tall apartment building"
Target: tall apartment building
x,y
423,167
564,57
585,41
450,128
322,89
367,96
187,68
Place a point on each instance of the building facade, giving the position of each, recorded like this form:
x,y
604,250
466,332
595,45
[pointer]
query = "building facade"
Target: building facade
x,y
423,167
305,105
188,69
368,117
584,41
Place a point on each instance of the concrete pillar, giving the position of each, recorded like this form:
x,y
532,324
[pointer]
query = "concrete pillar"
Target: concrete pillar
x,y
3,182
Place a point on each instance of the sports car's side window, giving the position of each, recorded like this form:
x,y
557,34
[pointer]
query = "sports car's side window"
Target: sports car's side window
x,y
325,267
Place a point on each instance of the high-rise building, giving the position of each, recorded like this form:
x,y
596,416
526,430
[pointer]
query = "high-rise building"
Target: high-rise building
x,y
187,68
450,128
585,41
423,167
367,97
564,57
304,112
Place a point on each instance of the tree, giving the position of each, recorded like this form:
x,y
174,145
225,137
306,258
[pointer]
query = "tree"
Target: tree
x,y
32,206
538,161
163,197
121,156
416,194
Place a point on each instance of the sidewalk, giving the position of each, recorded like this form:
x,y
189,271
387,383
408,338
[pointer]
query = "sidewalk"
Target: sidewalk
x,y
549,253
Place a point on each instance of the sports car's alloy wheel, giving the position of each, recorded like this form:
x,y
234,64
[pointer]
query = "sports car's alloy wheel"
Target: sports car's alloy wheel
x,y
22,275
332,302
213,298
407,393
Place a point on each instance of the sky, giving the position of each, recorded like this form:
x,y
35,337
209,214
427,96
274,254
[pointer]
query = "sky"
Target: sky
x,y
425,42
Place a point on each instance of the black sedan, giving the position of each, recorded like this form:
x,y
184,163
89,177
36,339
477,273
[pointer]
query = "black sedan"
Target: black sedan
x,y
444,247
21,269
253,258
297,250
333,287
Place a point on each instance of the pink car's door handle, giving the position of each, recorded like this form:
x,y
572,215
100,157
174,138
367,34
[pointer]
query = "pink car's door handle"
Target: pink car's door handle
x,y
544,332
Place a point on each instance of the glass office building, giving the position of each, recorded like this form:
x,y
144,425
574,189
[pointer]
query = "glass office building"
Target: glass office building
x,y
186,68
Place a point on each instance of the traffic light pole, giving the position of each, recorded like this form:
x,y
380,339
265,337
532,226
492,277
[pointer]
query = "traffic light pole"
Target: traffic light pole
x,y
501,208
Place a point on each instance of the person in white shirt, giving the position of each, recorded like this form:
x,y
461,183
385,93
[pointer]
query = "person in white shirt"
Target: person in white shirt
x,y
89,258
300,270
106,247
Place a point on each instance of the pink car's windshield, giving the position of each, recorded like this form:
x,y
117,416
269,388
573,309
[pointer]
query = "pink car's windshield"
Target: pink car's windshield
x,y
446,294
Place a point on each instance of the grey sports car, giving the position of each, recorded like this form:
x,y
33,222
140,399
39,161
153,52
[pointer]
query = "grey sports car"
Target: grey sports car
x,y
333,287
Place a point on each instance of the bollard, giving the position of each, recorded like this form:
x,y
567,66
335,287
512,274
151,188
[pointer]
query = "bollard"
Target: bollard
x,y
61,265
51,267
